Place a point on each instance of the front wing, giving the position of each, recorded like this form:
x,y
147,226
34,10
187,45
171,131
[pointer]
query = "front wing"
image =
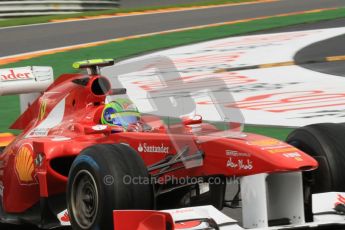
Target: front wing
x,y
209,218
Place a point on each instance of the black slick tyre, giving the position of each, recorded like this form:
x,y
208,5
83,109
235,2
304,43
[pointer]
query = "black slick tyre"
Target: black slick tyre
x,y
101,180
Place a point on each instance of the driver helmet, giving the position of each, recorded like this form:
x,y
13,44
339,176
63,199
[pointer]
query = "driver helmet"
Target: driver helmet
x,y
120,112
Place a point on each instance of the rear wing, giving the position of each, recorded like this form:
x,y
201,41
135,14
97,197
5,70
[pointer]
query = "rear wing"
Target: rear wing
x,y
28,82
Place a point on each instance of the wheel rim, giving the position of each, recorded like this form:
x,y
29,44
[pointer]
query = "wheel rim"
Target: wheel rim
x,y
85,199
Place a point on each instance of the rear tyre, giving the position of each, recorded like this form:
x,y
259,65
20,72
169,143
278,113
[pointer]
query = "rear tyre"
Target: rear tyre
x,y
326,143
100,182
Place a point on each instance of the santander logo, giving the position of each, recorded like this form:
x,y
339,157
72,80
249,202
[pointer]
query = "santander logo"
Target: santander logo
x,y
11,75
140,148
146,148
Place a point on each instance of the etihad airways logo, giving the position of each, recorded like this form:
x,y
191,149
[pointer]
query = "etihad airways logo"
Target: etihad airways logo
x,y
152,148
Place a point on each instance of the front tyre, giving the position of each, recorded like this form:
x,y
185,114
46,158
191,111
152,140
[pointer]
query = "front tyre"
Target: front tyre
x,y
326,143
99,182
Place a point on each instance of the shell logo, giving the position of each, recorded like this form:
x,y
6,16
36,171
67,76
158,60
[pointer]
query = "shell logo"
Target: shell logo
x,y
24,164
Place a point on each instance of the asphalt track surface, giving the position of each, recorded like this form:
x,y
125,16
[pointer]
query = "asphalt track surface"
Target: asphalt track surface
x,y
319,50
24,39
147,3
330,47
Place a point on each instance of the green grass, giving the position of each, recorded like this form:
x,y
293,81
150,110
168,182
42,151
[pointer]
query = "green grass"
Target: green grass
x,y
61,62
44,19
276,132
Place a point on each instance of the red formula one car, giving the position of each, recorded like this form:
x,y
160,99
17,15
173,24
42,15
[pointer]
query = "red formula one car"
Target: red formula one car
x,y
80,152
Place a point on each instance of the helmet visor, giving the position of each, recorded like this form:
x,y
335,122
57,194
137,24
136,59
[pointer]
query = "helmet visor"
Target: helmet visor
x,y
112,117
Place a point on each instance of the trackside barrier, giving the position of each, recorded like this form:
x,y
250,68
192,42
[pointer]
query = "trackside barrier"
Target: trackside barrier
x,y
49,7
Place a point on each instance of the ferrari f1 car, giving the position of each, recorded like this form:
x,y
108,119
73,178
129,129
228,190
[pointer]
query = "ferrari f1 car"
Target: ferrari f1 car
x,y
87,158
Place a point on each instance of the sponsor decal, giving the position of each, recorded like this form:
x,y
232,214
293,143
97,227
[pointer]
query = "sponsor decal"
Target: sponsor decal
x,y
24,165
99,127
188,224
282,150
182,211
265,142
233,153
291,155
15,74
64,218
294,155
39,132
146,148
240,164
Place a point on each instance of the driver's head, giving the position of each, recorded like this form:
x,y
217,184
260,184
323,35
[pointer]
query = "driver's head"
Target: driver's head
x,y
120,112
